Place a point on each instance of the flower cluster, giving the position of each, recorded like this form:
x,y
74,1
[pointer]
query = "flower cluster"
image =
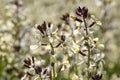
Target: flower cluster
x,y
71,50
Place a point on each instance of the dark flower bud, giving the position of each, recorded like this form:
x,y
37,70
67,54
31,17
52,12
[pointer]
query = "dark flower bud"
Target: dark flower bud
x,y
82,12
83,73
100,76
33,60
40,29
86,44
44,26
65,18
17,48
18,3
79,11
45,71
63,37
97,77
83,9
85,12
59,26
52,64
38,69
86,38
49,24
27,61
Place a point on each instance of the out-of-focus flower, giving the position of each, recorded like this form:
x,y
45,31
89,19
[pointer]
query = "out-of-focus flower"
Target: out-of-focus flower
x,y
66,64
75,48
74,77
32,47
101,46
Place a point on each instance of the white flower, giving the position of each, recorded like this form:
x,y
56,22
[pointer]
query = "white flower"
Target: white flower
x,y
32,47
66,63
98,2
99,23
75,77
96,39
75,48
101,46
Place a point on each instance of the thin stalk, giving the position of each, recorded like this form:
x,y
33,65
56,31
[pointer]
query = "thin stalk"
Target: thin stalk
x,y
52,52
88,47
40,77
85,26
52,48
53,73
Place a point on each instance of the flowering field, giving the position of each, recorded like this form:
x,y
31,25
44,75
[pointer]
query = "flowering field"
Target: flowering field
x,y
59,40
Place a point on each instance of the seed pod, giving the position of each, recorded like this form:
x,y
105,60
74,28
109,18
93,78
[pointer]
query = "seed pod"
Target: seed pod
x,y
83,54
60,67
29,74
44,44
58,44
91,24
79,20
27,66
78,13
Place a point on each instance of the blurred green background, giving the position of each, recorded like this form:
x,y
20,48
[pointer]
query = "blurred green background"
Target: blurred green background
x,y
17,31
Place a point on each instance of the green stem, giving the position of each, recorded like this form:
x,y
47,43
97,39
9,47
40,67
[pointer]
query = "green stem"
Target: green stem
x,y
85,26
52,52
88,60
53,73
88,47
40,77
